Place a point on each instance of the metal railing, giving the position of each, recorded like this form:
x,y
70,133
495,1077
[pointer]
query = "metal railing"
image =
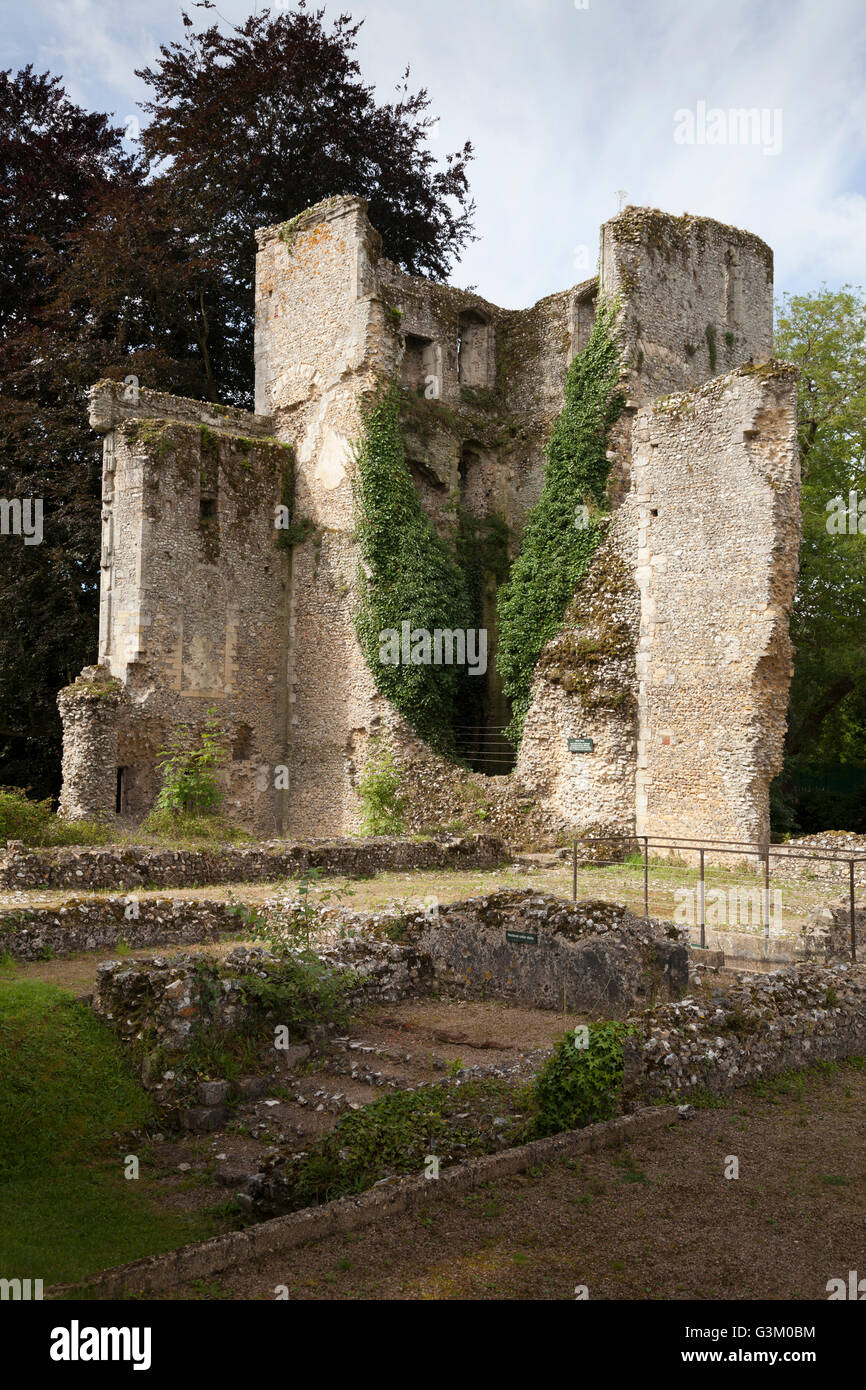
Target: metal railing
x,y
762,852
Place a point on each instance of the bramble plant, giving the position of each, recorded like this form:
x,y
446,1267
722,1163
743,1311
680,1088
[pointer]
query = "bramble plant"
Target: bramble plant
x,y
188,765
288,926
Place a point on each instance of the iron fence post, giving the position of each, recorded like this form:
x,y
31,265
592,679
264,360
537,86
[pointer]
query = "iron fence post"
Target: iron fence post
x,y
574,868
646,878
851,908
702,897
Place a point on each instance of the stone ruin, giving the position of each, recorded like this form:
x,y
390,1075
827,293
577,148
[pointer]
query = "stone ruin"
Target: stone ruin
x,y
204,604
516,946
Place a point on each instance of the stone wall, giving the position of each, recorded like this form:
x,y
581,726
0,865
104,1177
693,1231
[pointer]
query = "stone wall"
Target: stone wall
x,y
594,958
193,603
675,659
716,483
696,298
43,933
168,1002
137,866
723,1037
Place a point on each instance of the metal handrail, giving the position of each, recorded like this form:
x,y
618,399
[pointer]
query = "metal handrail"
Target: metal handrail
x,y
761,850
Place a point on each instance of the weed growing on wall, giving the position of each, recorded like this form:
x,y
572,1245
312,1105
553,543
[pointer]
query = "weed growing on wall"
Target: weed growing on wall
x,y
408,575
379,793
558,543
289,924
189,765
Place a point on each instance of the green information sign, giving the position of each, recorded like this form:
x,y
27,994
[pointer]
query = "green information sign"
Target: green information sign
x,y
523,938
581,745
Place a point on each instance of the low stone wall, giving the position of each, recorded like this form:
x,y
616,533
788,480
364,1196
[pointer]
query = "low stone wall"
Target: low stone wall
x,y
839,842
539,950
719,1038
604,959
138,866
42,932
826,936
169,999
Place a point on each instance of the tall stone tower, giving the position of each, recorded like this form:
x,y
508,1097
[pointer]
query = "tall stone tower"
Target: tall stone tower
x,y
209,601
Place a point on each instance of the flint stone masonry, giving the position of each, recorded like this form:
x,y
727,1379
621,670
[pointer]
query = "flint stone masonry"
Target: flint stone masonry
x,y
166,1002
139,866
828,842
721,1038
674,658
826,937
38,933
606,960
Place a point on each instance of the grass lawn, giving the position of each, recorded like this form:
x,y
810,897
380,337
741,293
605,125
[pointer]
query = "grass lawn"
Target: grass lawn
x,y
67,1096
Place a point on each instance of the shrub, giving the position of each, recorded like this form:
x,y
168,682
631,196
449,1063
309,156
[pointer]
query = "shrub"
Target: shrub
x,y
35,823
580,1086
188,765
288,926
21,818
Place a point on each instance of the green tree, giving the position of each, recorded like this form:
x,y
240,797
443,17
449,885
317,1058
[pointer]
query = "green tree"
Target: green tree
x,y
824,333
250,126
57,163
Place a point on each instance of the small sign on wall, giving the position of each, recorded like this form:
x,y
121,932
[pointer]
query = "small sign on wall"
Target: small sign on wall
x,y
523,938
581,745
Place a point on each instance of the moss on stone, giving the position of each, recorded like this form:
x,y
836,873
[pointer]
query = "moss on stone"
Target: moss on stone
x,y
588,656
101,686
669,235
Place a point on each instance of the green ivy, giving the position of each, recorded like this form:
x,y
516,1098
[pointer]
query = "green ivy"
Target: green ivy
x,y
413,575
555,552
580,1086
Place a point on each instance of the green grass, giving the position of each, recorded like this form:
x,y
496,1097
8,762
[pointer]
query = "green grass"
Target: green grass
x,y
66,1096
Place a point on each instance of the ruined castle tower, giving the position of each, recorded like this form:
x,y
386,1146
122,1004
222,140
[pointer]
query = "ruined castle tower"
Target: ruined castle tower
x,y
207,602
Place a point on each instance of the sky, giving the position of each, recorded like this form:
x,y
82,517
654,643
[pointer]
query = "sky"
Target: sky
x,y
573,107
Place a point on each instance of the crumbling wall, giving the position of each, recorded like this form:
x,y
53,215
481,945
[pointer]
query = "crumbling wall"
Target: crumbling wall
x,y
194,596
203,602
674,660
696,297
716,481
88,709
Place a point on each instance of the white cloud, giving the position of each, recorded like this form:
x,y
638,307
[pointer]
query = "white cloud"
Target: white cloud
x,y
565,106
